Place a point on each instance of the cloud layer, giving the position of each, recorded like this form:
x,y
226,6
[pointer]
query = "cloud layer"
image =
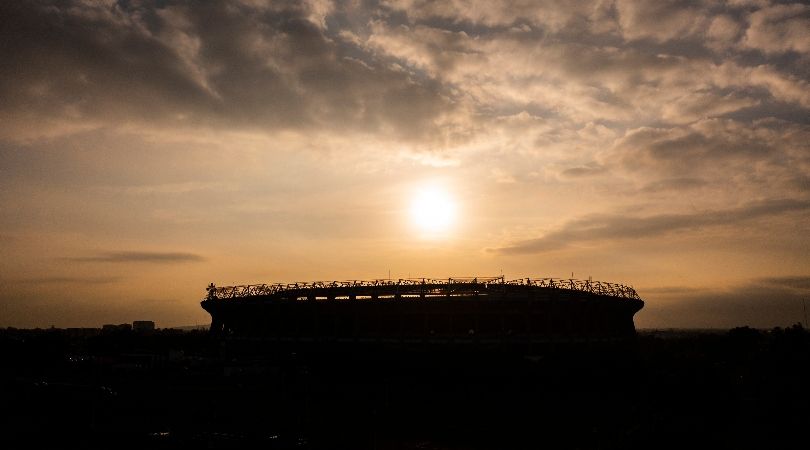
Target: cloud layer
x,y
282,139
628,226
225,65
761,302
140,257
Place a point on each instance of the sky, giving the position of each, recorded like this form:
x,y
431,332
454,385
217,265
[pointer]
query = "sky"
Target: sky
x,y
148,148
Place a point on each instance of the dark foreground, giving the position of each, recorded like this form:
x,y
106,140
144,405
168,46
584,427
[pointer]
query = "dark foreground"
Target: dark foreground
x,y
169,389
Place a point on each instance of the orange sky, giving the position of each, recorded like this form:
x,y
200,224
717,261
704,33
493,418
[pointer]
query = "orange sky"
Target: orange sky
x,y
149,148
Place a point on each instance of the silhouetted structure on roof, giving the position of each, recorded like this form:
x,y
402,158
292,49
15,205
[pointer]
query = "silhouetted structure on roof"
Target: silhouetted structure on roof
x,y
143,326
111,328
427,311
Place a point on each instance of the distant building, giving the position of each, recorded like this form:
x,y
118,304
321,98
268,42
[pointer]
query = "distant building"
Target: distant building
x,y
143,325
112,327
82,332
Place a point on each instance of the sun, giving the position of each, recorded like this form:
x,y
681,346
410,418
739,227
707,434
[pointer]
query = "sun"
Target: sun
x,y
433,210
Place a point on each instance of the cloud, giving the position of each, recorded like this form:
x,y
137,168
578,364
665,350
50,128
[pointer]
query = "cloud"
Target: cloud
x,y
551,15
139,257
799,283
694,106
429,73
764,157
780,28
183,64
759,302
583,171
577,78
781,85
124,120
600,227
660,20
723,32
675,184
67,280
670,290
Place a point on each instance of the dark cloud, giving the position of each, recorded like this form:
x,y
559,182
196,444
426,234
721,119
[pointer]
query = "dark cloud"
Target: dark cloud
x,y
140,257
552,16
618,227
68,280
181,63
399,69
770,154
583,171
801,182
799,283
661,20
764,302
669,290
681,148
780,28
675,184
778,110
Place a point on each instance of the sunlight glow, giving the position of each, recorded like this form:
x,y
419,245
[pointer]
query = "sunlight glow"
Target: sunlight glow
x,y
433,210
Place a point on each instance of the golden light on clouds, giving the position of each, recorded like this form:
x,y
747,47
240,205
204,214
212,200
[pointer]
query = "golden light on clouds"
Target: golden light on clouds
x,y
663,144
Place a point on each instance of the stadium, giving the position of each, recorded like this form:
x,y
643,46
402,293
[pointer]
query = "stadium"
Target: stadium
x,y
471,310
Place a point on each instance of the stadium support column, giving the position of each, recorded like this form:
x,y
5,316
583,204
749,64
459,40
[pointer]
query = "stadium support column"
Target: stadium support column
x,y
216,325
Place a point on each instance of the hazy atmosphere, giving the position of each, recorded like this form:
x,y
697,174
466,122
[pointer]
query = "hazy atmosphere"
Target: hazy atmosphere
x,y
148,148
